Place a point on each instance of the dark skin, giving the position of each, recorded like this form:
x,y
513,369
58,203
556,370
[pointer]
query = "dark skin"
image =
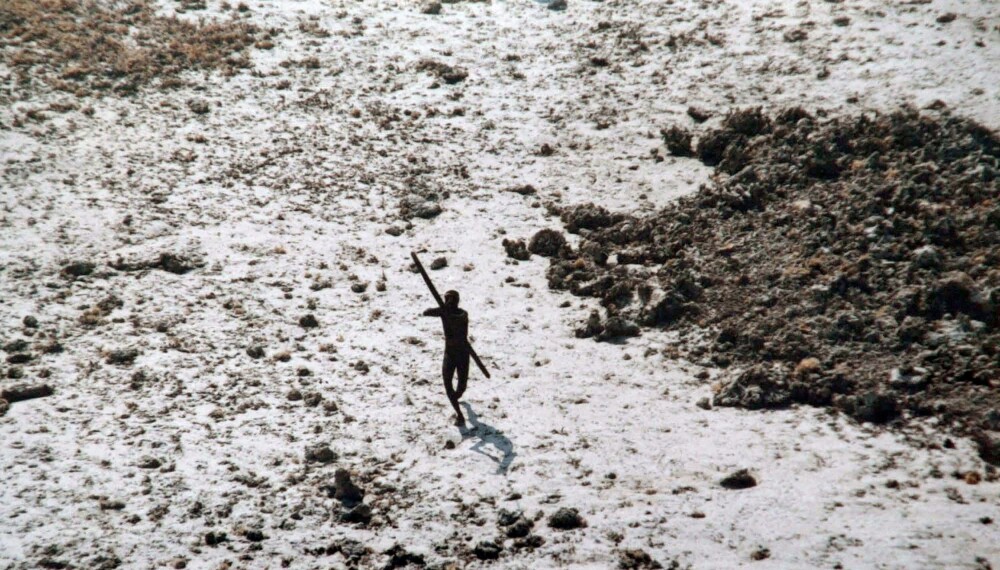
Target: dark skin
x,y
456,349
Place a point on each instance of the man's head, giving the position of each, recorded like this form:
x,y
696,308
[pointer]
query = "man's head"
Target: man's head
x,y
451,299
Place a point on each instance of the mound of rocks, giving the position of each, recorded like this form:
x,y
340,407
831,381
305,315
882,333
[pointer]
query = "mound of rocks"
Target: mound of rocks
x,y
850,261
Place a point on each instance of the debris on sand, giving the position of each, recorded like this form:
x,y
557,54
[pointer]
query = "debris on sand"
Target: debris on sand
x,y
21,392
846,262
741,479
566,519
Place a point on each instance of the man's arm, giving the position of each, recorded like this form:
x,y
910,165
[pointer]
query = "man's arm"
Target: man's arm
x,y
435,312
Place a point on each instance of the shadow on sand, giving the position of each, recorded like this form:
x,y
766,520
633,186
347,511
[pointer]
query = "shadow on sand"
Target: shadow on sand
x,y
487,436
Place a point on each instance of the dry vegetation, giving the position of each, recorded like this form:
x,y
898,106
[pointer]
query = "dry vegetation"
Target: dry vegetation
x,y
89,47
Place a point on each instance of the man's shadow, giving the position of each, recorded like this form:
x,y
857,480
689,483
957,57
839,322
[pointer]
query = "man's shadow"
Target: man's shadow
x,y
488,435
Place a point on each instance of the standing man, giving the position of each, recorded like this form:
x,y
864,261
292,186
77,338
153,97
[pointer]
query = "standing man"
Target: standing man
x,y
456,349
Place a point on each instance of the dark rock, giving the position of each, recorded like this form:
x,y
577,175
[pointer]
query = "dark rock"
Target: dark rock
x,y
149,462
213,538
4,406
19,345
530,542
255,351
523,189
989,448
506,517
756,388
432,8
486,550
78,268
566,519
254,535
520,528
122,356
361,514
444,72
547,243
439,263
635,559
946,18
344,490
516,249
293,395
874,407
618,327
557,5
593,327
587,216
678,141
20,358
359,287
741,479
177,263
21,392
320,453
30,322
399,557
308,321
699,115
198,106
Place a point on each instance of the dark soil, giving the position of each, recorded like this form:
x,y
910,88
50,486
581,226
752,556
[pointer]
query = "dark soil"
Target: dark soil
x,y
851,262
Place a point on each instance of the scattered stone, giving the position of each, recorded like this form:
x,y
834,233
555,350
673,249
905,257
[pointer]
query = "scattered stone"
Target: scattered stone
x,y
320,453
946,18
520,528
444,72
111,505
18,345
636,559
361,514
874,407
432,8
293,395
760,553
557,5
78,269
359,287
21,392
439,263
989,448
20,358
678,141
523,190
254,535
530,542
566,519
344,490
547,243
516,249
122,356
308,321
741,479
399,557
487,550
214,538
705,403
4,406
796,35
178,263
394,230
30,322
255,351
698,115
149,462
198,106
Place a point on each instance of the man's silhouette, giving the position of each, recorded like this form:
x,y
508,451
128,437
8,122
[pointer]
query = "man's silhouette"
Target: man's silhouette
x,y
456,349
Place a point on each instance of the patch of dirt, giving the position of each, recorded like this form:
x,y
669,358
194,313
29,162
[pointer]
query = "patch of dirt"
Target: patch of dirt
x,y
850,261
89,47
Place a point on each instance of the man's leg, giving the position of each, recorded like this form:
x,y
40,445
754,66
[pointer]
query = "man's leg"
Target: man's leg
x,y
463,373
449,374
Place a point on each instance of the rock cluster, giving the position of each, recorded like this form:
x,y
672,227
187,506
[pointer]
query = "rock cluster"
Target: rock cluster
x,y
849,261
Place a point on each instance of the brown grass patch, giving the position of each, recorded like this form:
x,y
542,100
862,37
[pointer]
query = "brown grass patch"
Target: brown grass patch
x,y
98,47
